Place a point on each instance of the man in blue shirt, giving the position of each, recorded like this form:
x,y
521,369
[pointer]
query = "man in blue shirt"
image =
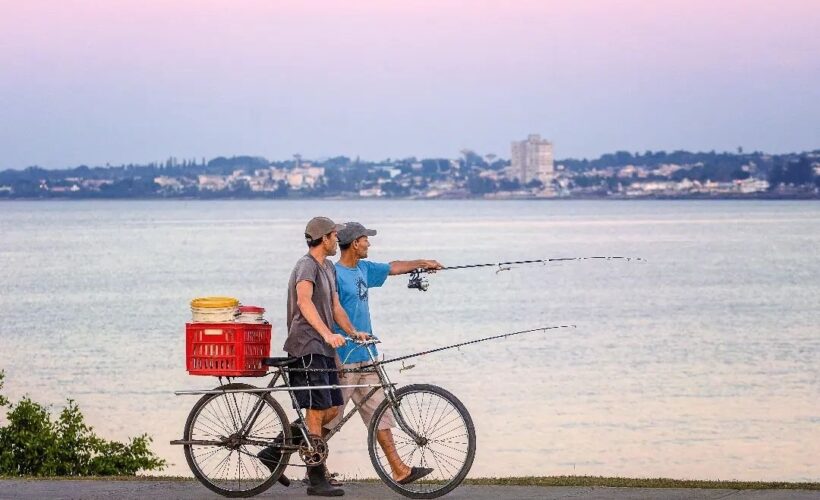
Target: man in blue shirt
x,y
354,278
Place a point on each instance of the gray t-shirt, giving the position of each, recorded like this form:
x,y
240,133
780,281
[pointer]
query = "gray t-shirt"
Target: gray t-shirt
x,y
303,339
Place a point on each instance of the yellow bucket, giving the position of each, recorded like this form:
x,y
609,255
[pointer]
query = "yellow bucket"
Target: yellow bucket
x,y
214,302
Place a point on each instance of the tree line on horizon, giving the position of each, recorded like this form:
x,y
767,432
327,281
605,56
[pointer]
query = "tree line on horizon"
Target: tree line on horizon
x,y
342,173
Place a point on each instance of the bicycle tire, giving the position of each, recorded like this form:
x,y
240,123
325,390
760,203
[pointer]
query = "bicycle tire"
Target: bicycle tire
x,y
450,468
216,404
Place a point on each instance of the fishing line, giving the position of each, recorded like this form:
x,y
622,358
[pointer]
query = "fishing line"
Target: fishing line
x,y
503,335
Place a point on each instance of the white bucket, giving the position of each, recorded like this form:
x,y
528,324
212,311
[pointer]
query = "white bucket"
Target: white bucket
x,y
214,314
251,318
251,314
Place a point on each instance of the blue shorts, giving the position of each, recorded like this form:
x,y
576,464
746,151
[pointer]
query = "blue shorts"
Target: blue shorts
x,y
316,399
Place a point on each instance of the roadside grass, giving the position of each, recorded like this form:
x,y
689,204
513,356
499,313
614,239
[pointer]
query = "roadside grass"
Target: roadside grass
x,y
583,481
626,482
96,478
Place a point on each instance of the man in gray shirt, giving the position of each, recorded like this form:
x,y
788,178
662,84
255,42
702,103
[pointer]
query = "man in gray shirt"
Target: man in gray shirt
x,y
313,307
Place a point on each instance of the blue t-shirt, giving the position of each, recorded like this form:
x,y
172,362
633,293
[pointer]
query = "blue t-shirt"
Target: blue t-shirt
x,y
353,285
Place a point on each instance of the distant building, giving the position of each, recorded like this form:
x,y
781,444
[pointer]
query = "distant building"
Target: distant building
x,y
168,183
532,159
212,182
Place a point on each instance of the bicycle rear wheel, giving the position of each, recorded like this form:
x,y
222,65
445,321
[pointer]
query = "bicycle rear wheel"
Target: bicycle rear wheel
x,y
224,461
446,440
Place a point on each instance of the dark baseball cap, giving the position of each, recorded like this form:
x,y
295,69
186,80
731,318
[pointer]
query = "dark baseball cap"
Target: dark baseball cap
x,y
352,231
320,226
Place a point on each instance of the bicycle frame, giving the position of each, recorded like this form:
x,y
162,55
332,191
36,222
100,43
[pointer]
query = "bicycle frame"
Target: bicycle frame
x,y
283,372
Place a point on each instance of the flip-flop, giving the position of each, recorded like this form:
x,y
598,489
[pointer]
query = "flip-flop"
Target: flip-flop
x,y
416,473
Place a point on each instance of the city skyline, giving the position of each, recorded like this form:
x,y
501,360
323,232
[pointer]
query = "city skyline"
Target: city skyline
x,y
96,83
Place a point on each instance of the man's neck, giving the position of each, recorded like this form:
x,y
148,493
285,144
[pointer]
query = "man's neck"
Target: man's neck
x,y
318,253
349,259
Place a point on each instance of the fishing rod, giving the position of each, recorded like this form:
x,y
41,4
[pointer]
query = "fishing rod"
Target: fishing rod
x,y
503,335
419,282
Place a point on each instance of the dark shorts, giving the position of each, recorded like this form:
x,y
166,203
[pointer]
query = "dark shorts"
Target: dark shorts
x,y
317,399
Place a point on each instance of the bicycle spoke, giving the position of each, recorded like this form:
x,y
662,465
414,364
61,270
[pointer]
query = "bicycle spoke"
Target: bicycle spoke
x,y
440,467
457,419
437,425
445,456
209,455
234,466
432,416
448,447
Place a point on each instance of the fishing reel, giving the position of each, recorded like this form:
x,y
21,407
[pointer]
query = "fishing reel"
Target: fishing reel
x,y
418,281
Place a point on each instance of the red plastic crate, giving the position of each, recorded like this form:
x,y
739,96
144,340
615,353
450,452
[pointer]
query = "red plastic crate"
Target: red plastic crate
x,y
226,349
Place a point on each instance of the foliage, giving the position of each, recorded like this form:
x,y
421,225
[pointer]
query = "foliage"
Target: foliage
x,y
32,444
796,172
3,400
480,185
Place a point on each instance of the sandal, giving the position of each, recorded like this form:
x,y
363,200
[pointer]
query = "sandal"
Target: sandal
x,y
416,473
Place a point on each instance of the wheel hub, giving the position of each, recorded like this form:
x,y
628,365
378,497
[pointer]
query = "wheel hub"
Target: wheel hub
x,y
233,442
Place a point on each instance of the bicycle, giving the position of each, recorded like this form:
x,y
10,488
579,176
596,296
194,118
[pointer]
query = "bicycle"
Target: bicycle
x,y
231,425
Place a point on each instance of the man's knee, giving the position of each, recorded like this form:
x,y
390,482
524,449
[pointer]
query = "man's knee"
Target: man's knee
x,y
331,413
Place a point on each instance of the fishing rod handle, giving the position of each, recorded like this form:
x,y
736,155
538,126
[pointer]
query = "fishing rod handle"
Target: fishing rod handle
x,y
369,341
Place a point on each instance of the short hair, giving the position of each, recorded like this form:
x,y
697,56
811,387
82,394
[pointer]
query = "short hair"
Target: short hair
x,y
311,243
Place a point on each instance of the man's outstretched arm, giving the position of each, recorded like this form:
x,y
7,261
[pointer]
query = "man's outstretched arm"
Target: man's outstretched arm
x,y
405,266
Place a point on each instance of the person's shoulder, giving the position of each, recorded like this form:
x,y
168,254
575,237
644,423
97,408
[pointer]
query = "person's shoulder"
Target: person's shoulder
x,y
305,258
369,265
365,264
306,263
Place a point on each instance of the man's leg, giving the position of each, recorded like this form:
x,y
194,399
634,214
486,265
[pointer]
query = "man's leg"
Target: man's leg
x,y
314,420
402,473
347,392
318,405
399,468
384,434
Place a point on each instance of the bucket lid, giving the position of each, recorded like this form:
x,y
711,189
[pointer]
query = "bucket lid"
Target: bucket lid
x,y
214,302
251,309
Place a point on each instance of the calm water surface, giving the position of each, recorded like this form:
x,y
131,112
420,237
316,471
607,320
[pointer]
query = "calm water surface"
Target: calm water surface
x,y
703,362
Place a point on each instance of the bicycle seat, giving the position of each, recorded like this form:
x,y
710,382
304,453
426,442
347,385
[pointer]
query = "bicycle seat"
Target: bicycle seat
x,y
277,362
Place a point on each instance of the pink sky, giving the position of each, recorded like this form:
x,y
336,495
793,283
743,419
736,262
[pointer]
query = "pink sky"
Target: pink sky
x,y
120,81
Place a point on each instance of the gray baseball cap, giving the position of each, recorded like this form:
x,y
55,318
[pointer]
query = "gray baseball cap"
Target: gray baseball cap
x,y
320,226
352,231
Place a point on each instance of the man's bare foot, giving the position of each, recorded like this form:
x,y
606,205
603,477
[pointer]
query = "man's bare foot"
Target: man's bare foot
x,y
401,473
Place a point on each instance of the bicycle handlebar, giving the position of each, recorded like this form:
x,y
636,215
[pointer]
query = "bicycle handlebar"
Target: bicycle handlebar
x,y
369,341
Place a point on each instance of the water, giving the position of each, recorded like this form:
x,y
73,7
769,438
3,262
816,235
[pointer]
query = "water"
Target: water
x,y
702,363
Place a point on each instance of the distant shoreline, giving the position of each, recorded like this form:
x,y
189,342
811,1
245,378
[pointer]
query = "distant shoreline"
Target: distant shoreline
x,y
758,197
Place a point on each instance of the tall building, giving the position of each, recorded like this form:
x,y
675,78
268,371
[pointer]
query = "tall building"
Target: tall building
x,y
532,159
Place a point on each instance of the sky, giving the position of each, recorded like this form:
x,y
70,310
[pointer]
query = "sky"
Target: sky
x,y
121,81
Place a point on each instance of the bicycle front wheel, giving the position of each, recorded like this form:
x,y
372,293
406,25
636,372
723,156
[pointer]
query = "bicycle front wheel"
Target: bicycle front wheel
x,y
441,438
225,460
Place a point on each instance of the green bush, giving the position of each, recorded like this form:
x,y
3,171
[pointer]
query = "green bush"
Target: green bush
x,y
31,444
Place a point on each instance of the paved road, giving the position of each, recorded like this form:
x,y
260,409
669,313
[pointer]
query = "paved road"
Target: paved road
x,y
184,490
